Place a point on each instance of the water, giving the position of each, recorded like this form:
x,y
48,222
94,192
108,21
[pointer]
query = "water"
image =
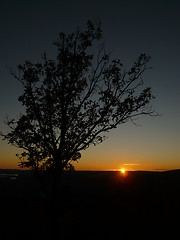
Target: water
x,y
8,175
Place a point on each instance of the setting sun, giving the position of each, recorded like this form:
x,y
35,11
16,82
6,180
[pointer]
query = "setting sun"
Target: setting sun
x,y
122,170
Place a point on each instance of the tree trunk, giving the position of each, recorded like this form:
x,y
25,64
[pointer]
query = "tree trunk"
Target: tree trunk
x,y
51,186
56,207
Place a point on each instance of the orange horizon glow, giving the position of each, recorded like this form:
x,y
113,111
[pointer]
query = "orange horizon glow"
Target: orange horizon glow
x,y
10,165
81,166
95,162
85,165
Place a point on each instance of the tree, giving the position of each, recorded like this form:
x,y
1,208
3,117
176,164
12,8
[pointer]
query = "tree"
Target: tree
x,y
71,101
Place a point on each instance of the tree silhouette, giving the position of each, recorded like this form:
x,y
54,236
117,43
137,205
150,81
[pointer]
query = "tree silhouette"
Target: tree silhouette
x,y
71,101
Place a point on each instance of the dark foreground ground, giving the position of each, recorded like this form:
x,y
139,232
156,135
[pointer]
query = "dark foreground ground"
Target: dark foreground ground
x,y
95,205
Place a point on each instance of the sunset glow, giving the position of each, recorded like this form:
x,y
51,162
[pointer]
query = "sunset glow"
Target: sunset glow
x,y
122,170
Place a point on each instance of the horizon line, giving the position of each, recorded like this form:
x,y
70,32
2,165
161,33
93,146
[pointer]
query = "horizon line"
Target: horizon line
x,y
101,170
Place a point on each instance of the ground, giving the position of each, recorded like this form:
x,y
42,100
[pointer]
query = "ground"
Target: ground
x,y
94,205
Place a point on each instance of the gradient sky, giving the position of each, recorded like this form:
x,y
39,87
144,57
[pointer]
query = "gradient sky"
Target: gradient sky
x,y
130,27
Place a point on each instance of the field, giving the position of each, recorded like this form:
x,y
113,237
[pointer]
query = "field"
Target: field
x,y
94,205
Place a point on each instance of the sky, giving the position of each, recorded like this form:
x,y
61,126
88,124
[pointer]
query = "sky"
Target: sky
x,y
130,27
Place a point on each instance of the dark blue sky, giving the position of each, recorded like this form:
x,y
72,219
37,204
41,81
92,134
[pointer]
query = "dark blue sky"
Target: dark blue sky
x,y
130,27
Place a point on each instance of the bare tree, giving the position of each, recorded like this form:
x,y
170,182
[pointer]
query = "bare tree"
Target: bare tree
x,y
71,101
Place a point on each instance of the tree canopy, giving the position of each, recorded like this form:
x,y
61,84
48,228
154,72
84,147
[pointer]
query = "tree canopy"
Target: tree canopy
x,y
72,101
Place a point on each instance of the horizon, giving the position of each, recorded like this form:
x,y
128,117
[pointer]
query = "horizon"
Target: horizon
x,y
100,170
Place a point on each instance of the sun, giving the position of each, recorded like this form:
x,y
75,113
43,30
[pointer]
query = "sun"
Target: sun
x,y
122,170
